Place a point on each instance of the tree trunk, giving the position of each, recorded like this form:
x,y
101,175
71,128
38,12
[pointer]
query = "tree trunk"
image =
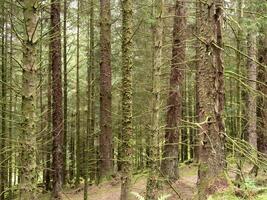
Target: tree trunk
x,y
65,87
211,177
90,155
105,144
92,151
199,57
262,100
252,78
3,135
239,60
127,64
11,166
28,182
174,104
57,115
78,113
47,171
151,187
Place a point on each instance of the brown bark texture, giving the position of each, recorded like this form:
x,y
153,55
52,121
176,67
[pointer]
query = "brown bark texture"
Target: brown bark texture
x,y
106,162
174,104
57,115
211,177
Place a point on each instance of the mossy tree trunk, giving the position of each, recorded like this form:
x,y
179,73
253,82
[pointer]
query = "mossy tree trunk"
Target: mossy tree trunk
x,y
252,78
127,64
151,187
28,181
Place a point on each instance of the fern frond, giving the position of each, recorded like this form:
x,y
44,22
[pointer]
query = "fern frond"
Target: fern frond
x,y
138,196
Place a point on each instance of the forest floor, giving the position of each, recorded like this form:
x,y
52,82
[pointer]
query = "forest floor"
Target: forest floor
x,y
185,187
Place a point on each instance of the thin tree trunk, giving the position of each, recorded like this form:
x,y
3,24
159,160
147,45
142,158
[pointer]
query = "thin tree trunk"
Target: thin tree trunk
x,y
78,113
127,64
105,143
174,104
3,135
262,101
47,173
252,78
72,147
89,138
65,87
57,115
239,60
211,177
199,56
151,187
92,151
10,194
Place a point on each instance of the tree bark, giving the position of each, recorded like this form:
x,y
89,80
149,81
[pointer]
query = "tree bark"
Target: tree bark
x,y
151,187
105,144
127,64
211,176
174,104
57,115
262,100
78,113
65,92
252,78
3,135
28,181
11,166
92,150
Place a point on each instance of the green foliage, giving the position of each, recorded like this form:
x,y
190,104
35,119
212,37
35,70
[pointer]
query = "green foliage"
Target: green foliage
x,y
249,189
223,196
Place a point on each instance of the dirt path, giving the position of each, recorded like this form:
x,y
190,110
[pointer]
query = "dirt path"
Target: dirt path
x,y
111,191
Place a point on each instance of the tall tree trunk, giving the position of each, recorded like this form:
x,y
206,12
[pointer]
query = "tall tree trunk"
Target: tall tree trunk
x,y
105,144
174,105
11,167
65,87
57,115
92,151
211,176
47,172
41,102
3,135
78,113
239,60
127,64
72,147
199,56
151,187
262,100
239,63
28,182
252,78
89,173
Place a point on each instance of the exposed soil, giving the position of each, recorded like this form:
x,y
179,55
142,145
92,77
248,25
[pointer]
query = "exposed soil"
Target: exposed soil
x,y
185,187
